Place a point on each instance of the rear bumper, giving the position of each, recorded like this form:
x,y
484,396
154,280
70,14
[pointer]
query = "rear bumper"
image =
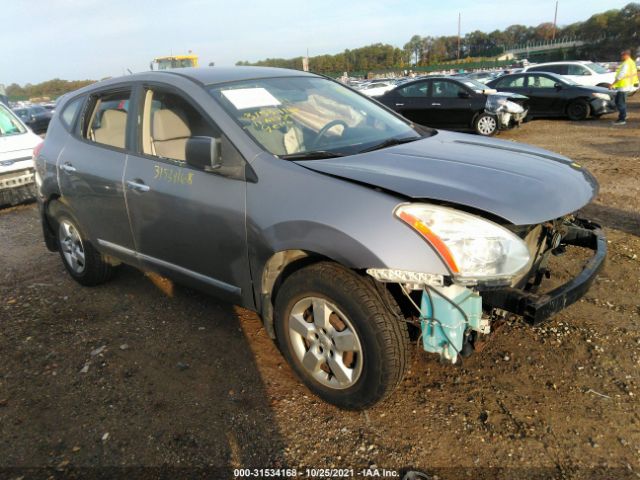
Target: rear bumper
x,y
17,179
536,308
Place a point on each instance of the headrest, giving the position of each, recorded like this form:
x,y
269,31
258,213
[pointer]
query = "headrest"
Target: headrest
x,y
167,125
114,119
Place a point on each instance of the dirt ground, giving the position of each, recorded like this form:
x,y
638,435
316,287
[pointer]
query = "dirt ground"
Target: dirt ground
x,y
121,380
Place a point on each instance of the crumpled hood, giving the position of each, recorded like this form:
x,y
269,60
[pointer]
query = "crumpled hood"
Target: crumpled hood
x,y
523,184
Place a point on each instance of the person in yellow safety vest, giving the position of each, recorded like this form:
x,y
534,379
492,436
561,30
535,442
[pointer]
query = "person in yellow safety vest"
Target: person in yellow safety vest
x,y
626,81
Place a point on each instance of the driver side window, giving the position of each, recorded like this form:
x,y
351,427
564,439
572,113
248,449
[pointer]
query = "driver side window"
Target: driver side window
x,y
168,121
414,90
539,81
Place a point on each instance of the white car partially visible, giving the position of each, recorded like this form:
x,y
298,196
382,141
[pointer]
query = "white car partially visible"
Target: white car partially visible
x,y
582,72
378,88
17,142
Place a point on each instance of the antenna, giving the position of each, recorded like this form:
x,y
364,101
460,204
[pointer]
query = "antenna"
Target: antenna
x,y
459,20
555,22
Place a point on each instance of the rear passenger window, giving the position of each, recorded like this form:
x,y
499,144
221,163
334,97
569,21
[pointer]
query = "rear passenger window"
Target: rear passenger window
x,y
577,70
559,69
168,121
70,110
107,122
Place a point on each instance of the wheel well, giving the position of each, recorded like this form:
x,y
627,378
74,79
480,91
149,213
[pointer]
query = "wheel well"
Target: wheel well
x,y
49,229
277,269
579,99
283,264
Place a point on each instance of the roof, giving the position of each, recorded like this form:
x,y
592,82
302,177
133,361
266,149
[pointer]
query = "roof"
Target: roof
x,y
215,75
580,62
203,75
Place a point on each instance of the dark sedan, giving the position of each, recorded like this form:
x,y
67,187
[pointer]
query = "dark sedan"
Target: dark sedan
x,y
552,95
37,118
456,104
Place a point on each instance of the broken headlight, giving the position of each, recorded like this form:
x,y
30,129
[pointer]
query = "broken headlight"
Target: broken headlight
x,y
602,96
499,103
474,249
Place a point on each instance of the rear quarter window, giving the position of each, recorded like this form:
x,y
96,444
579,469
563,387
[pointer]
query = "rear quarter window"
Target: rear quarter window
x,y
69,112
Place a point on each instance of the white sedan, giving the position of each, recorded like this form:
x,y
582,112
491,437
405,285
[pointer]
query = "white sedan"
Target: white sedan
x,y
377,88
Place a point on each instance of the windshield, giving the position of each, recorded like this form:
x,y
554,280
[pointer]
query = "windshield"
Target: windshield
x,y
597,68
294,116
9,124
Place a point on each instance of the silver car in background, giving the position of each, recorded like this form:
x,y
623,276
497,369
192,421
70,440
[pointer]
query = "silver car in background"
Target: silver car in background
x,y
349,229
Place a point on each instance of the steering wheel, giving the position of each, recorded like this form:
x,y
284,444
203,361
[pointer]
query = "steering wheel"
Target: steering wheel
x,y
323,131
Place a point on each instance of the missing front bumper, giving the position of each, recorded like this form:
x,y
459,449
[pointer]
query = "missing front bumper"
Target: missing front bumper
x,y
536,308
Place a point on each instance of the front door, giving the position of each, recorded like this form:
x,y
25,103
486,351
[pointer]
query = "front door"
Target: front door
x,y
545,99
187,223
90,170
449,104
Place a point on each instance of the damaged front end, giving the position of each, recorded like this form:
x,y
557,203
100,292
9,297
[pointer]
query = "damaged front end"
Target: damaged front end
x,y
510,109
456,314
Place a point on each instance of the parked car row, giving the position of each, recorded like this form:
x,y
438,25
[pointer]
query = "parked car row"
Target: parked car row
x,y
36,117
461,102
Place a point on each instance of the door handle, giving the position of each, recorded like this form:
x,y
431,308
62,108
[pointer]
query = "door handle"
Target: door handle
x,y
399,104
67,167
138,186
435,104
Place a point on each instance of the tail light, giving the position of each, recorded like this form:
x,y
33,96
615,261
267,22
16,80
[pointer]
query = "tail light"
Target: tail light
x,y
36,150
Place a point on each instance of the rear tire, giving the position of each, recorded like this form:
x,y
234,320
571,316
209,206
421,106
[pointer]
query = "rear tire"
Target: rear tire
x,y
341,336
84,263
578,110
486,125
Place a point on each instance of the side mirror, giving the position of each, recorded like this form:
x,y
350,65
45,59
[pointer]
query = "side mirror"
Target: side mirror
x,y
558,86
464,95
204,153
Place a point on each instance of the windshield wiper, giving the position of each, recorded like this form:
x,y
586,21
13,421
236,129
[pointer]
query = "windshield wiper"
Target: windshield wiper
x,y
312,155
390,142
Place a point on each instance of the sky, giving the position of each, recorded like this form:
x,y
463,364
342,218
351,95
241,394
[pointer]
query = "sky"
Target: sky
x,y
93,39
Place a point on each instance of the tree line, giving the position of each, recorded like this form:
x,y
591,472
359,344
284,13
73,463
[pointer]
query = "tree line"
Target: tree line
x,y
606,34
51,88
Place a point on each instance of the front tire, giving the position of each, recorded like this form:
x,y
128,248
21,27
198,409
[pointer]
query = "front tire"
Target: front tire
x,y
486,125
342,337
84,263
578,110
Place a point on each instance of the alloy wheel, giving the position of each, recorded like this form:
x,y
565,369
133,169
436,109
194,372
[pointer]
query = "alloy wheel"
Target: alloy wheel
x,y
72,247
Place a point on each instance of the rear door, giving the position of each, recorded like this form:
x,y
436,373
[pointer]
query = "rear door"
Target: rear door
x,y
90,169
187,223
411,102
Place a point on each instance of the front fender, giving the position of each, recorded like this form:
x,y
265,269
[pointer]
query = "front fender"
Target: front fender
x,y
294,208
